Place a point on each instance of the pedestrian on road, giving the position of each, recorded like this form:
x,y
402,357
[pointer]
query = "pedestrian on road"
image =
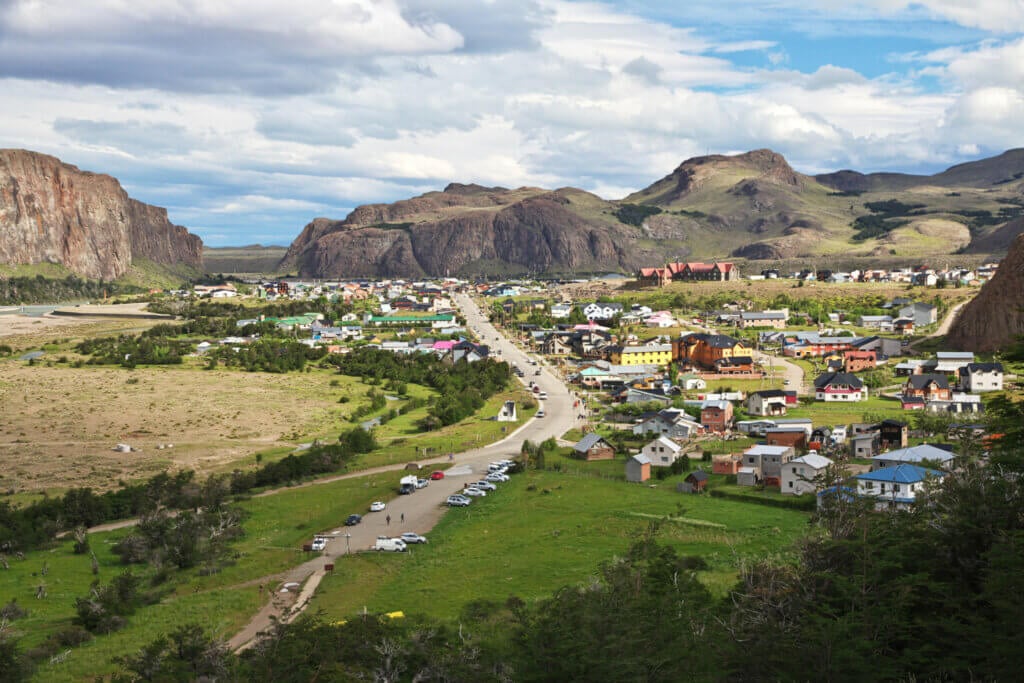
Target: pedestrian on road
x,y
403,518
388,520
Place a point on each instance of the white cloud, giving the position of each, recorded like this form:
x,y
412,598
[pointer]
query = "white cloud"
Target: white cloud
x,y
258,123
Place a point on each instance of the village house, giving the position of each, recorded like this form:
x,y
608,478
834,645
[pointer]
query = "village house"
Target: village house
x,y
894,487
601,311
662,452
716,416
735,365
672,423
864,445
856,360
773,319
949,362
979,377
924,454
690,382
893,433
704,349
701,272
921,313
763,463
636,395
593,447
561,310
767,402
878,322
794,437
647,354
928,387
800,475
726,464
638,468
839,386
695,482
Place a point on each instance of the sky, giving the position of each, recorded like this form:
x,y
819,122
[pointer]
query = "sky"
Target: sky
x,y
248,118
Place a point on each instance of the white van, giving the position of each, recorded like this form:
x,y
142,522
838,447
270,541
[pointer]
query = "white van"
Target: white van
x,y
543,396
395,545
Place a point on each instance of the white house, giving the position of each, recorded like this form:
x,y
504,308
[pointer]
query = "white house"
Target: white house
x,y
672,423
599,311
896,487
561,310
914,455
662,452
767,402
660,319
798,474
839,386
978,377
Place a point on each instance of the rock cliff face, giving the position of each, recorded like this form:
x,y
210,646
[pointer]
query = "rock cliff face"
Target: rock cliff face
x,y
995,317
51,212
468,229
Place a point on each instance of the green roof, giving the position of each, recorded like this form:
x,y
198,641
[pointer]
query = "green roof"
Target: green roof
x,y
411,318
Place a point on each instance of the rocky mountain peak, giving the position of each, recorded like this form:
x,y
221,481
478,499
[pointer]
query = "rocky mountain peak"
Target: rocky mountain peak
x,y
52,212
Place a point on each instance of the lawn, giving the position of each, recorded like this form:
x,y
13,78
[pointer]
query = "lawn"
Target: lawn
x,y
223,602
831,413
544,530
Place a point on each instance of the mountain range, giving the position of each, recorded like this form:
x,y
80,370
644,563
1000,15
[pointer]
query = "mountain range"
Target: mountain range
x,y
747,206
752,206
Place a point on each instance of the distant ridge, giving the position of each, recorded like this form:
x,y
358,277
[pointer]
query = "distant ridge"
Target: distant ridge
x,y
752,205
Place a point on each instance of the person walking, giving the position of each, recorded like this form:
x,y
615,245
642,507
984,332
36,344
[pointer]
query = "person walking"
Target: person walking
x,y
403,518
388,520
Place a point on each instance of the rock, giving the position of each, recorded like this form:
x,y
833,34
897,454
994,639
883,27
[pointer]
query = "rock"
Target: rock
x,y
51,212
994,319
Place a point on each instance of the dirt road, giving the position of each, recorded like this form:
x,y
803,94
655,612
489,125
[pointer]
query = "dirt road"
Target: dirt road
x,y
944,326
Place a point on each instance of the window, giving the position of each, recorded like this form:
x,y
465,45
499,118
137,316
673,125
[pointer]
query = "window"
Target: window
x,y
790,484
896,488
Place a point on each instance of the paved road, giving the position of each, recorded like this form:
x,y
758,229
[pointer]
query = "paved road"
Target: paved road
x,y
423,509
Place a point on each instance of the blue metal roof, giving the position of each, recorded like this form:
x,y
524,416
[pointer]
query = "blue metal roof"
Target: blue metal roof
x,y
901,474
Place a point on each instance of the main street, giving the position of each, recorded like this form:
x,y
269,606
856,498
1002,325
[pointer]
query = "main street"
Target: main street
x,y
422,510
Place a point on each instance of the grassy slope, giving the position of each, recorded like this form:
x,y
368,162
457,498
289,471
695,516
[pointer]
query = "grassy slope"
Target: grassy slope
x,y
544,530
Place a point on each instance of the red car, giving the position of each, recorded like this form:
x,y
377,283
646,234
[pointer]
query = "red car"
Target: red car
x,y
438,474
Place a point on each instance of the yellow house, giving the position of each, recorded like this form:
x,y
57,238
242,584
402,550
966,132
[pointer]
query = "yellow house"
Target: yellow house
x,y
648,354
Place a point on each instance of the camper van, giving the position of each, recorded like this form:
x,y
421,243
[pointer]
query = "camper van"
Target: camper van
x,y
407,484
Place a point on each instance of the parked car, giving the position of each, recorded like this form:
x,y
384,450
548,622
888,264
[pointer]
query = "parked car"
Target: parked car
x,y
458,501
496,477
484,485
543,396
422,483
352,520
473,491
410,537
319,543
437,474
497,467
377,506
539,413
395,545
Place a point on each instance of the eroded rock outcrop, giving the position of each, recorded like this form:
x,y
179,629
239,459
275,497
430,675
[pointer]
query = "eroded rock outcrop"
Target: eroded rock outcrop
x,y
52,212
995,317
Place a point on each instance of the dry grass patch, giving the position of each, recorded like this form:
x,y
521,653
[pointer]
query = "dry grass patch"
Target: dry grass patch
x,y
60,424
